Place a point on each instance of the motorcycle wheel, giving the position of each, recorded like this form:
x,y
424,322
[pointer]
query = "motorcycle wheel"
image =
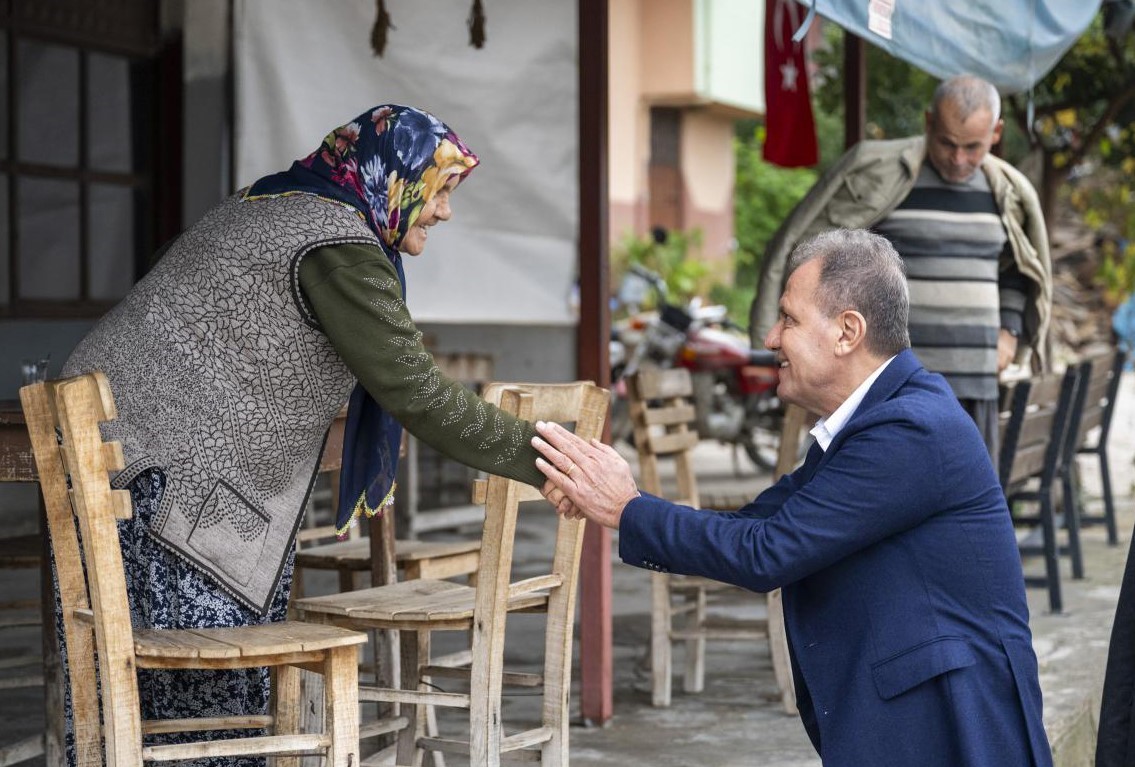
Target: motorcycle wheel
x,y
763,448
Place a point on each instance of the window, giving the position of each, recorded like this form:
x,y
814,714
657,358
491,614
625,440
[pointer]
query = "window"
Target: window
x,y
79,110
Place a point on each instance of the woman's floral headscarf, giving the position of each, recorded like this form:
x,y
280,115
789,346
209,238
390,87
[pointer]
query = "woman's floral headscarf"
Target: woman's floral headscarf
x,y
387,163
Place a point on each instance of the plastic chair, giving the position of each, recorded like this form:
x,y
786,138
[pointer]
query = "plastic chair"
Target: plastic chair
x,y
417,608
82,512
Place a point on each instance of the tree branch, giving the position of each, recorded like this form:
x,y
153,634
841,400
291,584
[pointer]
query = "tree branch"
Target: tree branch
x,y
1114,108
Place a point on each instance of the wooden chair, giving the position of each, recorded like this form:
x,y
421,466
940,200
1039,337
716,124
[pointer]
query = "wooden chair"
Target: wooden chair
x,y
662,414
73,462
318,549
418,607
1100,376
376,560
1032,446
414,559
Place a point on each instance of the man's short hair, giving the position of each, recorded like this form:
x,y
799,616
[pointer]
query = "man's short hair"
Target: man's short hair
x,y
861,271
969,94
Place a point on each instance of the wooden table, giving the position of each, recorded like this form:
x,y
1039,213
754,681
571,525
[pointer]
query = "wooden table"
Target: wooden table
x,y
16,462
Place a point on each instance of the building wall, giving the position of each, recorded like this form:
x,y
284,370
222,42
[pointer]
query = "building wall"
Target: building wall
x,y
628,121
660,55
708,172
729,51
668,49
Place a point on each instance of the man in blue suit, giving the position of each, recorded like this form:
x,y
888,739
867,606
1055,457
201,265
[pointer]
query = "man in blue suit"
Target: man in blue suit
x,y
903,594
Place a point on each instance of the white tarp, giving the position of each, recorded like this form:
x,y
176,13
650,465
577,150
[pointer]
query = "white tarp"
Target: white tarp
x,y
1011,43
304,67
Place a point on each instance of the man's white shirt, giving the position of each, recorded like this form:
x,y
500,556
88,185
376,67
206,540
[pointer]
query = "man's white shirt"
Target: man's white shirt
x,y
826,429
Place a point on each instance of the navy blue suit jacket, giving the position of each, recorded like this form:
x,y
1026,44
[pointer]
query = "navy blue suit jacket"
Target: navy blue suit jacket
x,y
903,595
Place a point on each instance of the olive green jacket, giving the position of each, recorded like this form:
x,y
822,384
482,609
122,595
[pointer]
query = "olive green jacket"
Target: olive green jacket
x,y
869,182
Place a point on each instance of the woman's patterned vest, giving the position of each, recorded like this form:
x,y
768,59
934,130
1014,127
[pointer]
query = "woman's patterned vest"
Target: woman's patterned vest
x,y
225,382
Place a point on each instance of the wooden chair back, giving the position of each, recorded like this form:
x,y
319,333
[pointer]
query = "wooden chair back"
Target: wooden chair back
x,y
584,405
662,413
83,511
63,423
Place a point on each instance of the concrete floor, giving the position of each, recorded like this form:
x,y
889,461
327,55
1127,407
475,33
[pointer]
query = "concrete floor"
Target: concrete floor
x,y
737,720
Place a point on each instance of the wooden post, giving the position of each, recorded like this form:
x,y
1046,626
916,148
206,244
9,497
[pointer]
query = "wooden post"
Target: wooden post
x,y
596,641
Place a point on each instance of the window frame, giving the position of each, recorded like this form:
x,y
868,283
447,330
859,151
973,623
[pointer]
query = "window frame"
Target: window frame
x,y
129,30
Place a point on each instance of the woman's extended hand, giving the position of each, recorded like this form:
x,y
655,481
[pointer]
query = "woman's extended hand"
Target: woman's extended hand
x,y
585,479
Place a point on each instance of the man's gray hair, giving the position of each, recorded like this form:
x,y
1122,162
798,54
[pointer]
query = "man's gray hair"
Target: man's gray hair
x,y
969,94
863,272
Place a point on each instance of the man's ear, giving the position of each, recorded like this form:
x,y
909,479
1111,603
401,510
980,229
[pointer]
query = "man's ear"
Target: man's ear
x,y
852,331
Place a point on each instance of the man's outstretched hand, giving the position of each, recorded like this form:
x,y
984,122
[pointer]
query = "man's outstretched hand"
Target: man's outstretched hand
x,y
585,479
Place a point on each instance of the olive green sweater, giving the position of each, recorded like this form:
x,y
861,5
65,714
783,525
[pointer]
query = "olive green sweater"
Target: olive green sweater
x,y
354,292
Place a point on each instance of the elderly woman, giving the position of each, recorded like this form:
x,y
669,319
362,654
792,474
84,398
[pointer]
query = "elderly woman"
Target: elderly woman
x,y
231,358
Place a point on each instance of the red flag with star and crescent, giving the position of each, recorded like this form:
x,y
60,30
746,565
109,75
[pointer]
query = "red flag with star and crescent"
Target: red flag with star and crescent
x,y
790,139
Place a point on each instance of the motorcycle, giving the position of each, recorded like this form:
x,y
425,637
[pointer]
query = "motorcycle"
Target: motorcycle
x,y
734,385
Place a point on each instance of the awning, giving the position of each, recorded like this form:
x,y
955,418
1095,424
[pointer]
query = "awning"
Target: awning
x,y
1011,43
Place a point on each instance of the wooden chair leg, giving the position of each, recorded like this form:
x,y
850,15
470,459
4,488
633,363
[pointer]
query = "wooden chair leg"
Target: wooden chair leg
x,y
341,706
778,648
694,679
485,719
414,649
661,620
286,706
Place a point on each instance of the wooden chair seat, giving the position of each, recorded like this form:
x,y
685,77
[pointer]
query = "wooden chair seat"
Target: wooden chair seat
x,y
696,582
237,647
416,559
412,604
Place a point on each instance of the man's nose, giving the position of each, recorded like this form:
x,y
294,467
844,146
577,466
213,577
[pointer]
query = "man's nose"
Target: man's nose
x,y
772,338
443,211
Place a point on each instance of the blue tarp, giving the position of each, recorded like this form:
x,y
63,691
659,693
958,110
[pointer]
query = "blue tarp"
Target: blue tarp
x,y
1011,43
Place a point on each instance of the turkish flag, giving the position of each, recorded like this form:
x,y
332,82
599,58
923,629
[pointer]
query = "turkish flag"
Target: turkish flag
x,y
790,138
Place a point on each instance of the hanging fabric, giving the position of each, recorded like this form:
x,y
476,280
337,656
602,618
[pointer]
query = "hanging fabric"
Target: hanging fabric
x,y
378,31
477,25
790,129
